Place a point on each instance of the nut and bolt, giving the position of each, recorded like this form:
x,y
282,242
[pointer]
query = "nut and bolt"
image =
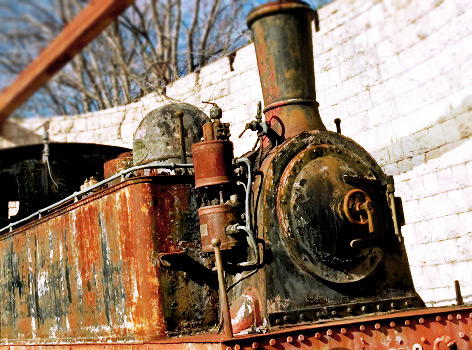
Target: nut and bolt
x,y
362,328
272,342
289,339
301,337
421,320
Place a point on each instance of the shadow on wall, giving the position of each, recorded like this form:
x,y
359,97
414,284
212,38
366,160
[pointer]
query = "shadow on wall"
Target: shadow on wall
x,y
444,135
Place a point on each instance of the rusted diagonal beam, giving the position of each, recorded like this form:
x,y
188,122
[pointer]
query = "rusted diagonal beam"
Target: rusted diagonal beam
x,y
76,35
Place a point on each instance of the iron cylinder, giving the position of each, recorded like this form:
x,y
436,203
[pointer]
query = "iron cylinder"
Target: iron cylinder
x,y
213,222
212,162
283,42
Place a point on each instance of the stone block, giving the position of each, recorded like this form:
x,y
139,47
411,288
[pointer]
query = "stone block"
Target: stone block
x,y
444,296
411,209
467,194
431,276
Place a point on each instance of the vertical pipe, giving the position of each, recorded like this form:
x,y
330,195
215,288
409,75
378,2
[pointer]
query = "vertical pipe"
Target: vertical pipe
x,y
183,152
228,329
283,42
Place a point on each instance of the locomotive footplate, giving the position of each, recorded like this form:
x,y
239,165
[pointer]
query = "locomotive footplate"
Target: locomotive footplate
x,y
421,329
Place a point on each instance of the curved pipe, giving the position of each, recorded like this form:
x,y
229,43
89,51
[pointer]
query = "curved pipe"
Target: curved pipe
x,y
247,227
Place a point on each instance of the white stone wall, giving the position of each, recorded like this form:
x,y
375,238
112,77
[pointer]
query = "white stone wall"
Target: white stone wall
x,y
398,73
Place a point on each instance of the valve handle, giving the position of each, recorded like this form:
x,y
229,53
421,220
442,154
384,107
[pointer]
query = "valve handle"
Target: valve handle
x,y
355,203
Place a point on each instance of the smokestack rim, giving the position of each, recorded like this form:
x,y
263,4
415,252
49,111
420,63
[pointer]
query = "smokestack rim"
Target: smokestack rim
x,y
276,7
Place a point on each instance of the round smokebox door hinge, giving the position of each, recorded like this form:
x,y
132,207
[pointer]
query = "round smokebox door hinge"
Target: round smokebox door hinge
x,y
314,230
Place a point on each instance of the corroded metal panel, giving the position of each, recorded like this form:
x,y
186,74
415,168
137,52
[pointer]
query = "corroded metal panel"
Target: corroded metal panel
x,y
89,272
422,329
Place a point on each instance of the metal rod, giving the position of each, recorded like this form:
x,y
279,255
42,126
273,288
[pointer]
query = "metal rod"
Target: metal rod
x,y
183,152
337,121
459,299
228,329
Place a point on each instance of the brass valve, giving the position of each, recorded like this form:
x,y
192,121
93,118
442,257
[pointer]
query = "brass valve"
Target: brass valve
x,y
358,208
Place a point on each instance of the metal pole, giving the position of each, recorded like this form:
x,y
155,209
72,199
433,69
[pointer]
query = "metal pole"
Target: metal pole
x,y
228,329
183,152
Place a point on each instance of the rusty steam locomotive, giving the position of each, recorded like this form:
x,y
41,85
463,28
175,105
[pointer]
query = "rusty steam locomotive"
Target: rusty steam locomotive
x,y
295,245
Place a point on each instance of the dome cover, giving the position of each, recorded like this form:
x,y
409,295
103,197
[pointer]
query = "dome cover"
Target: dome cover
x,y
157,137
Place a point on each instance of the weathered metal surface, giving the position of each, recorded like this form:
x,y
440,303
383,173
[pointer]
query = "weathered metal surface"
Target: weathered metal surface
x,y
114,166
314,229
423,329
283,42
212,162
158,136
90,271
304,179
213,222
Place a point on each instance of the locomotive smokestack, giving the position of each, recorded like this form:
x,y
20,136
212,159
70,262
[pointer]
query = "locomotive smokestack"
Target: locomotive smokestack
x,y
284,50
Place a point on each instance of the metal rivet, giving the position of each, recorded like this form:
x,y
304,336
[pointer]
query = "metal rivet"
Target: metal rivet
x,y
237,347
272,342
329,332
377,326
379,307
301,337
438,318
334,313
470,315
421,320
349,310
228,348
343,330
317,335
462,335
302,317
286,318
458,316
407,322
255,345
362,328
450,317
277,321
423,339
364,308
392,324
289,339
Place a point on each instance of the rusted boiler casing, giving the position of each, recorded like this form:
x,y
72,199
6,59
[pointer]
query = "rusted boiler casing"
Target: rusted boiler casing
x,y
91,271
